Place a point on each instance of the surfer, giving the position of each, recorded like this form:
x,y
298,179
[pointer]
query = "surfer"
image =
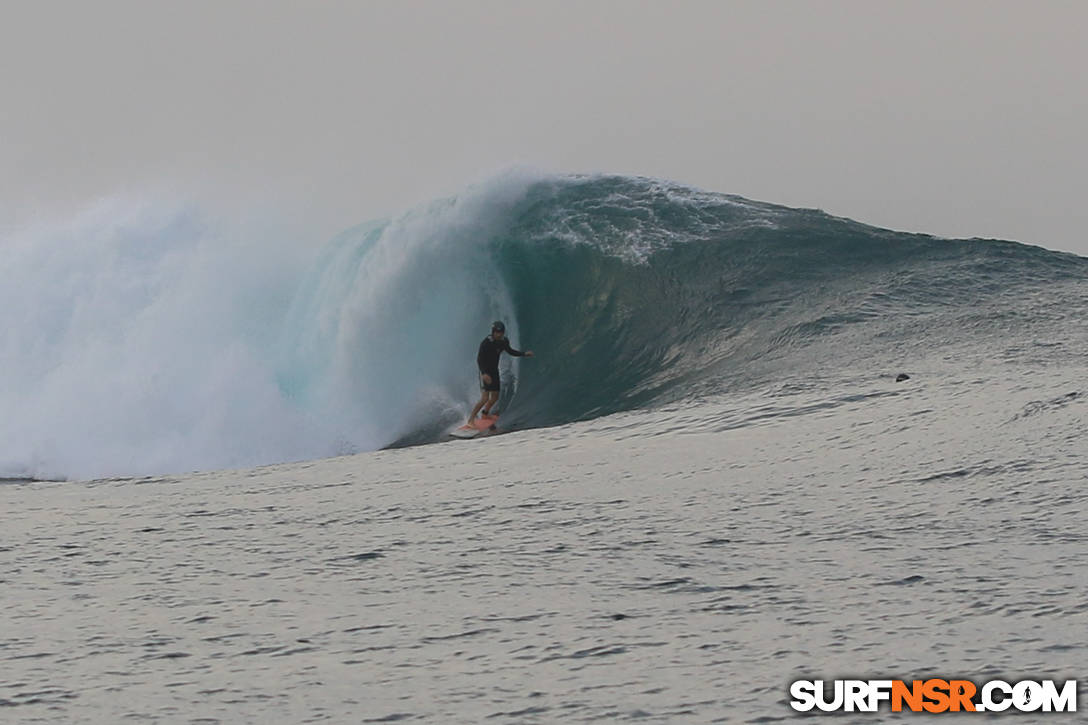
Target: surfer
x,y
487,360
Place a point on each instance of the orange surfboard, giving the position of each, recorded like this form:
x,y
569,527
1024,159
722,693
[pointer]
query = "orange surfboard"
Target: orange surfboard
x,y
484,425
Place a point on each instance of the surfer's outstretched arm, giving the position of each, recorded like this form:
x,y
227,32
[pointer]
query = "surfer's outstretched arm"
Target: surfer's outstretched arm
x,y
517,353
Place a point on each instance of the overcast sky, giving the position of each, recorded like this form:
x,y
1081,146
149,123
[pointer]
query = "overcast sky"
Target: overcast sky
x,y
958,118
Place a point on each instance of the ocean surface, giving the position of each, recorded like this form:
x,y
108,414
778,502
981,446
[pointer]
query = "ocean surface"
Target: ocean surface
x,y
710,482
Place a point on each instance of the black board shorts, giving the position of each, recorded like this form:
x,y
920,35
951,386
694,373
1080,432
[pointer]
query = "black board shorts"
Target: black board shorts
x,y
493,385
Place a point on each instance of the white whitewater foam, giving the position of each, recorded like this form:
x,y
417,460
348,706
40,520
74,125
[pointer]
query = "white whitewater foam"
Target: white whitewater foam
x,y
137,338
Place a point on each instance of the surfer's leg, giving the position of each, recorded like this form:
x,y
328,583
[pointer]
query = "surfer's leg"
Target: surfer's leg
x,y
479,404
492,398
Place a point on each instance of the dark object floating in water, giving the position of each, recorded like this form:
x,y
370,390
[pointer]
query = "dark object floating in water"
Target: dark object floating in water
x,y
901,377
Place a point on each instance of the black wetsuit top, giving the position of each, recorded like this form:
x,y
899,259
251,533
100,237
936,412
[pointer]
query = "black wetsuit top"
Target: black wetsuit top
x,y
487,359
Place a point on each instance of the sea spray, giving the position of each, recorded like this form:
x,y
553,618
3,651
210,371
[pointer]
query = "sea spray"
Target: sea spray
x,y
134,339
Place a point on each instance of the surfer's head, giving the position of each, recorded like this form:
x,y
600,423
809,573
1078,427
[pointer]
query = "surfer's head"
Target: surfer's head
x,y
498,329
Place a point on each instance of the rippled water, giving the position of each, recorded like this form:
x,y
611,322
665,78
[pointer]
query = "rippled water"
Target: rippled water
x,y
679,566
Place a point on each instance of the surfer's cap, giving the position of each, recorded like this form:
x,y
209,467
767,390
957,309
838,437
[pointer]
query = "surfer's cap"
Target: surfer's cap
x,y
497,326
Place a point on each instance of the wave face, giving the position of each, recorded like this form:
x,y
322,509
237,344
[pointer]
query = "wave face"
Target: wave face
x,y
137,341
640,292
